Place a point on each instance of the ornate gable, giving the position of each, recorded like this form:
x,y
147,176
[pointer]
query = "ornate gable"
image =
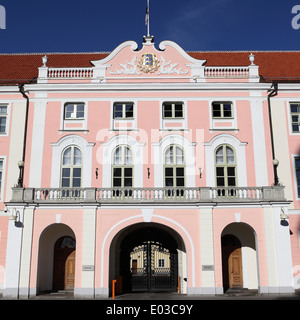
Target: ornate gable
x,y
169,63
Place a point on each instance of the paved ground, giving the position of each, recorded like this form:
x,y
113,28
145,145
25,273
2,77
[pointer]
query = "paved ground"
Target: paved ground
x,y
174,296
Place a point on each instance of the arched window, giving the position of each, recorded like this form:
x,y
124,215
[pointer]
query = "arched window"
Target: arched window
x,y
225,164
122,170
71,170
174,170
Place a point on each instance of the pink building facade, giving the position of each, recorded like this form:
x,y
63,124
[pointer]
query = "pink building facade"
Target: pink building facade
x,y
152,167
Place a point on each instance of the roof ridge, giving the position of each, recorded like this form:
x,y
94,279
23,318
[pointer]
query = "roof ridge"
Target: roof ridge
x,y
108,52
242,51
51,53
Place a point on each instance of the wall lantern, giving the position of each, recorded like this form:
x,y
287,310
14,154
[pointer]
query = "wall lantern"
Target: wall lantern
x,y
14,216
283,215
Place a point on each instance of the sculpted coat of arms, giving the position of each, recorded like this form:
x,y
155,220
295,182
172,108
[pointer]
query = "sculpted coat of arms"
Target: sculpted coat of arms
x,y
148,63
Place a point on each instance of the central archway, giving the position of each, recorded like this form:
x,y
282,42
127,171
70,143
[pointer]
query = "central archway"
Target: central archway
x,y
147,257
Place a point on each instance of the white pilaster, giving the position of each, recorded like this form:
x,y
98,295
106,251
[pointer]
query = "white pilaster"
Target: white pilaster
x,y
278,251
37,149
13,254
259,143
26,253
88,254
207,252
283,252
270,251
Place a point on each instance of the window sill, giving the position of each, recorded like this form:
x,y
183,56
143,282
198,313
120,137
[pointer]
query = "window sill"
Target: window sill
x,y
73,130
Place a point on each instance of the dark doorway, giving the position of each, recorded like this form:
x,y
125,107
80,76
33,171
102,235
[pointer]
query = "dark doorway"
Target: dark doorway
x,y
148,260
232,262
64,264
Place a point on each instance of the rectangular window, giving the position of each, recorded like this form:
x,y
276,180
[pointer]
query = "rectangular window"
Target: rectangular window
x,y
123,111
173,110
74,111
3,119
1,175
222,110
297,167
295,116
161,263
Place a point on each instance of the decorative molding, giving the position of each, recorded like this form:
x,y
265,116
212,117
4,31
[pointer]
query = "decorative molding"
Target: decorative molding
x,y
132,44
163,45
169,68
129,68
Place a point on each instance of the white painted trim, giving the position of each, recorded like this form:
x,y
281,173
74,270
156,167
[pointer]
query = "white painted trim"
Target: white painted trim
x,y
288,112
132,121
240,152
233,120
159,87
189,156
183,121
3,186
86,149
259,143
120,47
13,256
8,117
138,159
37,146
141,216
283,249
294,177
163,46
62,114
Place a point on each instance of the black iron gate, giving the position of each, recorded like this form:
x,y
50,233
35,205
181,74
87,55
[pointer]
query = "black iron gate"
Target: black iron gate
x,y
153,268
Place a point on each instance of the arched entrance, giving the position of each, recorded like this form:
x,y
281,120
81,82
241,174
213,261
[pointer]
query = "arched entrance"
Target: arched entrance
x,y
232,262
56,261
239,257
64,264
147,257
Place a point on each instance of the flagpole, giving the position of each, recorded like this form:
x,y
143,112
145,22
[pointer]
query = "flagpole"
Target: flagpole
x,y
148,19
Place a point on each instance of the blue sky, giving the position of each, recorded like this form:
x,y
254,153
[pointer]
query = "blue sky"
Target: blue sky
x,y
101,25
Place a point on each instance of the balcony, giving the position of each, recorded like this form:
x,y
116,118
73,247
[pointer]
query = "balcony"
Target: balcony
x,y
148,195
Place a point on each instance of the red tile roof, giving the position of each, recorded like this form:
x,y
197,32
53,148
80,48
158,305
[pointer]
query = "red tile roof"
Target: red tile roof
x,y
273,65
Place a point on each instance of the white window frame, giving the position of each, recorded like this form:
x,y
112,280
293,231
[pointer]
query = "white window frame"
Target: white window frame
x,y
294,156
75,110
122,165
173,124
137,149
123,104
215,124
190,160
2,186
173,103
221,103
8,105
86,151
289,115
240,152
69,125
124,124
71,166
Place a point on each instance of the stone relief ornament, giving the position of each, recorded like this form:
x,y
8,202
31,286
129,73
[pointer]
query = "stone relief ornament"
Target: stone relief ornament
x,y
169,68
148,63
128,69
